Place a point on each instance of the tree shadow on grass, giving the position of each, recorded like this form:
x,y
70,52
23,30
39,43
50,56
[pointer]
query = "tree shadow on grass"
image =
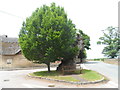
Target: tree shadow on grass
x,y
46,73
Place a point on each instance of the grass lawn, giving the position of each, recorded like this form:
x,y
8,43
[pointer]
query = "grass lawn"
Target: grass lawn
x,y
54,75
88,75
91,75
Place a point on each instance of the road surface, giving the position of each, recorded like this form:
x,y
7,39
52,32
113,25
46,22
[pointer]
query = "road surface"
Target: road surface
x,y
108,70
19,79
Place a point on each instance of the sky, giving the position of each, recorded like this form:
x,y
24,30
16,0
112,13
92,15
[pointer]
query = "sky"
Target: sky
x,y
91,16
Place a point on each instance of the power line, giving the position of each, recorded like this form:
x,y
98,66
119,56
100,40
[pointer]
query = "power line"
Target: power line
x,y
11,14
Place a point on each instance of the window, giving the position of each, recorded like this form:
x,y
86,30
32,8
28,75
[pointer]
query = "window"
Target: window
x,y
9,61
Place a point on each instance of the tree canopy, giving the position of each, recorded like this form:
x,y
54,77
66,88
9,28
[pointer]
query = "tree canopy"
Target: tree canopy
x,y
86,45
86,40
111,40
48,35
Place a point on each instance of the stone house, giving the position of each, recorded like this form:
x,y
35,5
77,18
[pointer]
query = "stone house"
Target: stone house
x,y
10,53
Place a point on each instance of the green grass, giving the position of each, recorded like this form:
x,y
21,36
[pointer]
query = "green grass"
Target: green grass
x,y
99,59
46,73
53,75
90,75
86,74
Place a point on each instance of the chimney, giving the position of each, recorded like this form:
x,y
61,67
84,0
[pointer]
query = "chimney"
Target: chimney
x,y
4,36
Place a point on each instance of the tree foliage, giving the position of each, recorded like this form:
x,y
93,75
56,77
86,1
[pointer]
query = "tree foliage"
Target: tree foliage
x,y
48,35
111,40
86,40
86,46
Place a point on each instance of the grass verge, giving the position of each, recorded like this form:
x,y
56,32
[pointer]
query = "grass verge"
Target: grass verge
x,y
88,75
54,75
91,75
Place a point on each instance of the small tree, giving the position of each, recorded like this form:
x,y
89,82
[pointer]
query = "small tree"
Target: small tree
x,y
48,35
111,40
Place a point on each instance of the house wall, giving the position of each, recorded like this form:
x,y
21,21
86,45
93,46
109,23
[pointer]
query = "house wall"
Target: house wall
x,y
15,61
8,58
0,60
21,61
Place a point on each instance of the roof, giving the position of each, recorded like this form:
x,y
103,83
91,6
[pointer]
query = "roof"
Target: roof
x,y
4,38
9,46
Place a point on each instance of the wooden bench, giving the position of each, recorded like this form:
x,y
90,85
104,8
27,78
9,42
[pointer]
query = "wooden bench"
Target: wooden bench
x,y
68,69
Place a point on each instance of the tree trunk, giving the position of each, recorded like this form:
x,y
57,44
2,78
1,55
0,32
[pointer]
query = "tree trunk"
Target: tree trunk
x,y
48,65
66,63
81,60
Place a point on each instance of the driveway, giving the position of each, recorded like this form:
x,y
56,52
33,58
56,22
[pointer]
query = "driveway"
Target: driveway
x,y
108,70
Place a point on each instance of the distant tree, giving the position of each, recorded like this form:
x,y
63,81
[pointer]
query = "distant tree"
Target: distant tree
x,y
111,40
48,35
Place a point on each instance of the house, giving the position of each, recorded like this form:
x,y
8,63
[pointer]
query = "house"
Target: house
x,y
10,53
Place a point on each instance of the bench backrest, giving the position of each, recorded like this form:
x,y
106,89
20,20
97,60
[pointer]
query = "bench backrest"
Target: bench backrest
x,y
67,67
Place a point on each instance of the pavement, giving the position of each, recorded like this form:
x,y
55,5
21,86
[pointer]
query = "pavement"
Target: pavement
x,y
19,78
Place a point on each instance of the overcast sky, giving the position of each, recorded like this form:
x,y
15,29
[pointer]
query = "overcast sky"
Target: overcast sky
x,y
91,16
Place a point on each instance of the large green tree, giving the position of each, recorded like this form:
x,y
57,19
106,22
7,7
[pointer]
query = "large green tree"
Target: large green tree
x,y
48,35
111,40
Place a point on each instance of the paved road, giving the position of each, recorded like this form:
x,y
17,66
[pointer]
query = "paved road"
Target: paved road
x,y
19,79
108,70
